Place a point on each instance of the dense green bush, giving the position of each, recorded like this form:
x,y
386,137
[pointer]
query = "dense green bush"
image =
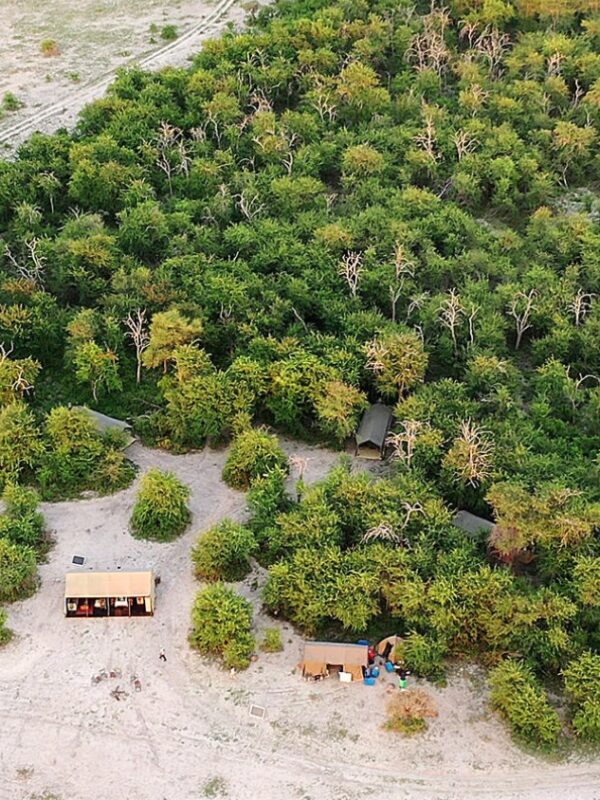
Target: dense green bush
x,y
582,687
5,632
222,626
160,511
18,571
21,523
253,454
224,552
518,697
78,458
424,655
267,498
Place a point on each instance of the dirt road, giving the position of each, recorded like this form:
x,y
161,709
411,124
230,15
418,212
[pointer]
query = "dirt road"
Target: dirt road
x,y
88,56
188,733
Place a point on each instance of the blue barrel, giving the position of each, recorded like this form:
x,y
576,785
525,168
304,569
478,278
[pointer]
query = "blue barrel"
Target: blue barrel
x,y
375,672
369,681
363,641
389,667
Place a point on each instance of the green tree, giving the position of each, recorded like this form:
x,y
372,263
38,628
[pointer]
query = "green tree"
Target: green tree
x,y
18,571
160,512
398,362
253,454
98,367
169,330
20,442
224,552
222,626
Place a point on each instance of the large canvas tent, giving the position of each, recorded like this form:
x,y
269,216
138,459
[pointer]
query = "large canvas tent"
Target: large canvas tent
x,y
109,594
321,658
104,423
372,431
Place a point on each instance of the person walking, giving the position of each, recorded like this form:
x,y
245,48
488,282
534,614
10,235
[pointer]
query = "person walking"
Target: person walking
x,y
162,655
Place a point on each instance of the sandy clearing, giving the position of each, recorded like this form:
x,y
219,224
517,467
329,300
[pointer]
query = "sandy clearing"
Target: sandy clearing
x,y
96,37
190,723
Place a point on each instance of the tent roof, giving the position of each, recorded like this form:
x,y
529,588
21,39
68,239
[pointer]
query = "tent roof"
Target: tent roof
x,y
374,425
104,423
336,653
109,584
472,524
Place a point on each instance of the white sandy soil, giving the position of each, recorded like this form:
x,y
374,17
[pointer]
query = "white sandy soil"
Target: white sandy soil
x,y
188,734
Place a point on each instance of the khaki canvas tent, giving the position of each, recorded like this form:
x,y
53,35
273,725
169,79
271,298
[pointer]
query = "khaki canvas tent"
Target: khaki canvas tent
x,y
387,647
322,658
109,594
104,424
372,431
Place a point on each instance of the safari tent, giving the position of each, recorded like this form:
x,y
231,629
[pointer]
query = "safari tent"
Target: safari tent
x,y
473,526
322,658
372,431
103,424
109,594
387,647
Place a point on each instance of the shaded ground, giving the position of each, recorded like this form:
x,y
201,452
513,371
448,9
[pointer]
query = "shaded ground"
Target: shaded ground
x,y
188,734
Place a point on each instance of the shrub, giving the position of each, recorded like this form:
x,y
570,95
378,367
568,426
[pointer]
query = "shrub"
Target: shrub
x,y
5,633
169,33
49,48
113,472
408,712
267,498
222,626
21,524
11,102
424,655
582,687
524,704
272,642
253,454
18,571
160,512
224,552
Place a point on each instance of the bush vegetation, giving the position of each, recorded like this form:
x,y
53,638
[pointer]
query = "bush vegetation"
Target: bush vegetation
x,y
223,553
5,632
160,512
341,204
524,704
409,711
272,641
222,626
253,454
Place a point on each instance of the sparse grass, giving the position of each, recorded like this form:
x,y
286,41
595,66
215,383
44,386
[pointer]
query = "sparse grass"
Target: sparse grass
x,y
11,102
272,642
408,712
74,76
49,48
169,33
215,787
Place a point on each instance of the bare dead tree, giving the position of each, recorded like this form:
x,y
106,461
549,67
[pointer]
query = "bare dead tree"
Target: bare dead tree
x,y
554,65
137,331
465,143
581,305
395,293
520,308
427,139
351,268
4,353
578,94
428,49
473,312
451,311
322,100
492,45
403,443
21,384
249,204
471,454
33,268
416,302
411,509
382,533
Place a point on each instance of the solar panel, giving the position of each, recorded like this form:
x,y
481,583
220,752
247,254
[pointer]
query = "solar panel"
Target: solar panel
x,y
79,560
258,711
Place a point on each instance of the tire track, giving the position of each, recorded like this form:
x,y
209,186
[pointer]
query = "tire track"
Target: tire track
x,y
76,100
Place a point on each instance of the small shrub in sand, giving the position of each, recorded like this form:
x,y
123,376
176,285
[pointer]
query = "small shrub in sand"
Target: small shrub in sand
x,y
161,511
272,642
408,712
169,33
49,48
224,552
18,571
